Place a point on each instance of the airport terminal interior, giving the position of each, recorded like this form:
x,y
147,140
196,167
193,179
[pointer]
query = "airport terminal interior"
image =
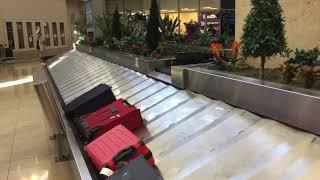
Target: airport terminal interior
x,y
159,89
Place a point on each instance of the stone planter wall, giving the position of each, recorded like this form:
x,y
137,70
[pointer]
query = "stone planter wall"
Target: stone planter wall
x,y
293,106
139,64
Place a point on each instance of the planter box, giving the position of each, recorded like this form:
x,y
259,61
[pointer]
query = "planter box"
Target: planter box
x,y
293,106
136,63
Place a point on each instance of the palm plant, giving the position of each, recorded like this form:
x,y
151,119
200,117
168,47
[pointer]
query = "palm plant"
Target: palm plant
x,y
104,23
168,27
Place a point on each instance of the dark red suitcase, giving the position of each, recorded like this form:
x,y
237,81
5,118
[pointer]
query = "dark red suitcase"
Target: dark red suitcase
x,y
101,121
115,146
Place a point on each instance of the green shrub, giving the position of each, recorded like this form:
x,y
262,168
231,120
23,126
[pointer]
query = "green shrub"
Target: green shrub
x,y
104,23
96,42
153,35
263,32
168,27
204,39
172,49
116,25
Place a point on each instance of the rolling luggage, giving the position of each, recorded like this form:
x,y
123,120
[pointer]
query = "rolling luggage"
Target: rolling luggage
x,y
91,101
106,118
117,146
137,169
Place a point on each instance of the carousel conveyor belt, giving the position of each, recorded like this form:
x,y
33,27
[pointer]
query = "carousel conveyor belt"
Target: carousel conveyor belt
x,y
190,135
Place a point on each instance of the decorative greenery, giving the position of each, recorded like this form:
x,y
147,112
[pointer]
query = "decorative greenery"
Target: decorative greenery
x,y
204,39
130,23
310,75
264,34
172,49
104,24
289,71
168,27
306,58
133,44
116,25
96,42
153,35
307,61
192,29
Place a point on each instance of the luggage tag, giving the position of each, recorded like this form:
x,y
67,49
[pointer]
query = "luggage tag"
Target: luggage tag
x,y
106,171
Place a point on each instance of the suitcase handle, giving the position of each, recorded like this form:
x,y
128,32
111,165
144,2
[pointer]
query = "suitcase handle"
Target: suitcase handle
x,y
114,111
124,155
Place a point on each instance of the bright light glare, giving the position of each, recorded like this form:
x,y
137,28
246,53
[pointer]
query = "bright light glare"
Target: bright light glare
x,y
16,82
59,60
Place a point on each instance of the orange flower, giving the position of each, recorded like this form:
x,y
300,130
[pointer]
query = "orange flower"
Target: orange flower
x,y
216,49
235,49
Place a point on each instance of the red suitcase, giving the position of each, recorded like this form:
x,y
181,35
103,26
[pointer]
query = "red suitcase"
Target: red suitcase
x,y
101,121
117,145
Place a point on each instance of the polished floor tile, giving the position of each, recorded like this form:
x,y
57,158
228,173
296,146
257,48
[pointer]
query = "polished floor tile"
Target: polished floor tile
x,y
4,167
62,170
6,141
24,138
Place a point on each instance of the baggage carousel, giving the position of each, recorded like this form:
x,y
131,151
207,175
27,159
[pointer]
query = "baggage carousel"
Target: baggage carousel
x,y
190,135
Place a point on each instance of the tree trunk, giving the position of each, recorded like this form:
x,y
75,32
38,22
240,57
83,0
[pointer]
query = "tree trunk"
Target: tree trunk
x,y
262,63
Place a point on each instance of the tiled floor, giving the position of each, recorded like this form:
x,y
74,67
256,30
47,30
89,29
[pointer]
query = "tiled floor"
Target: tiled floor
x,y
24,142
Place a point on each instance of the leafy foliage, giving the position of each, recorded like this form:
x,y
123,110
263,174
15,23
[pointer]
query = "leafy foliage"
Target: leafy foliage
x,y
306,58
192,29
135,24
153,35
116,25
172,49
264,34
168,27
306,61
205,39
96,42
289,71
104,23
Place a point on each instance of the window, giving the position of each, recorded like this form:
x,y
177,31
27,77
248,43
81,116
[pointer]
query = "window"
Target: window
x,y
38,27
209,5
112,4
189,11
55,34
62,34
189,5
30,35
20,35
146,6
88,10
47,34
133,5
10,35
168,6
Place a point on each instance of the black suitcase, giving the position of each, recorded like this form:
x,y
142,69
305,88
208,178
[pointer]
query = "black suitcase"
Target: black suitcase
x,y
89,102
137,169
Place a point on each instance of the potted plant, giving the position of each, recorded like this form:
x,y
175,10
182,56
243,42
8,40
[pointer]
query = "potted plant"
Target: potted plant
x,y
289,72
310,75
307,60
192,28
